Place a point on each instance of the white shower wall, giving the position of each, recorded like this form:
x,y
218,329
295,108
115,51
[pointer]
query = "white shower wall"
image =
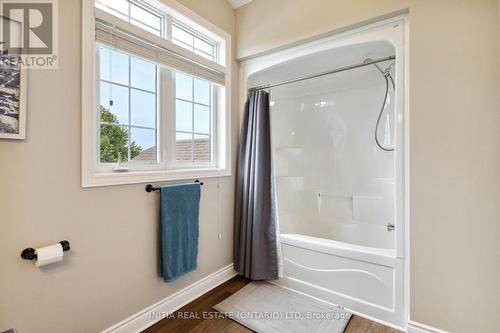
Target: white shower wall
x,y
332,180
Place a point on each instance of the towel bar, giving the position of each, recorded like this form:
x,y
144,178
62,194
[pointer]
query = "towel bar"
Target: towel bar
x,y
151,188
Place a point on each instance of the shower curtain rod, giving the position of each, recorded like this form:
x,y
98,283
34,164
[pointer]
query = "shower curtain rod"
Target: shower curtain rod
x,y
337,70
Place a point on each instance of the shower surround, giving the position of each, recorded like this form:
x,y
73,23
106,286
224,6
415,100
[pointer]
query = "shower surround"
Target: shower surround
x,y
341,195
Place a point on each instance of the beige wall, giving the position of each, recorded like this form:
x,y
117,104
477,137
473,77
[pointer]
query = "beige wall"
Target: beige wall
x,y
111,271
455,141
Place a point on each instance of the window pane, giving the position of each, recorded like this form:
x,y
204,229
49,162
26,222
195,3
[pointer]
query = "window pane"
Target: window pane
x,y
143,144
113,12
201,119
193,43
128,114
204,55
184,86
105,95
143,108
115,101
183,116
134,14
119,67
113,140
105,64
202,91
203,46
181,44
145,27
143,74
113,66
201,148
146,17
182,36
183,146
120,6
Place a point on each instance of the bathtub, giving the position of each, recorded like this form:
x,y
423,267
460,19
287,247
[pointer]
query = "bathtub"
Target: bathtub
x,y
362,279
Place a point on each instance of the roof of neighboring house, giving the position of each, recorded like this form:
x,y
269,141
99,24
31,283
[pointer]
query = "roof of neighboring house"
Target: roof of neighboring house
x,y
148,154
183,151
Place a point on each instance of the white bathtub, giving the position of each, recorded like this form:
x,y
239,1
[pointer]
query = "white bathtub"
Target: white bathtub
x,y
364,235
365,280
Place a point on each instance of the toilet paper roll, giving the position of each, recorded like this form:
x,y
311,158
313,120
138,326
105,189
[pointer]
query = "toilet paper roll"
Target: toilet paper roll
x,y
48,255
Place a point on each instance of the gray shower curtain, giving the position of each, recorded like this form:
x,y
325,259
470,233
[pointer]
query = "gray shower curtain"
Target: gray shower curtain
x,y
255,252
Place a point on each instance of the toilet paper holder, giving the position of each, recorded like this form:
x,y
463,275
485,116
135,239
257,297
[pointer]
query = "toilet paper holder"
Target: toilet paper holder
x,y
29,253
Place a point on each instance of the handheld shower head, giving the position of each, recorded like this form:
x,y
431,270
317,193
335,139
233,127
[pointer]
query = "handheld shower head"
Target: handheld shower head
x,y
386,74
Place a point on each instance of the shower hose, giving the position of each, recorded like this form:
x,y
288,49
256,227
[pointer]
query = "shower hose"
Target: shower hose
x,y
387,76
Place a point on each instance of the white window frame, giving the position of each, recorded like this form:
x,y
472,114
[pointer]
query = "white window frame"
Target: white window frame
x,y
220,165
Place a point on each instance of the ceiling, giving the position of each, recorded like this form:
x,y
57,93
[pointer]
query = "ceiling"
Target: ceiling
x,y
238,3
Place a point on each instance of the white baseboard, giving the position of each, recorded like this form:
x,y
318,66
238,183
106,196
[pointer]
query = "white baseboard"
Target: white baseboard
x,y
143,319
414,327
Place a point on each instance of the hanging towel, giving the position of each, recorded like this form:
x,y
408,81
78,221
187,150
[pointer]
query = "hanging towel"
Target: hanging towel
x,y
179,230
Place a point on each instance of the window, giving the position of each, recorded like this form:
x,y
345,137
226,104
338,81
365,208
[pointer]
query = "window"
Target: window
x,y
195,43
134,13
153,111
128,93
193,115
129,114
142,15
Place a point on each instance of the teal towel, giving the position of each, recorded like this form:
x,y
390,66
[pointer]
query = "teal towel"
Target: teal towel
x,y
179,230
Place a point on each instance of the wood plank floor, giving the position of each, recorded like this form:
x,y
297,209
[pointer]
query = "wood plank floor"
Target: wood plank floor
x,y
198,316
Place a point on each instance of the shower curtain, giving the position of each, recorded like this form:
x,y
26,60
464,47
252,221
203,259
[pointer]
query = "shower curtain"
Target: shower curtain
x,y
255,226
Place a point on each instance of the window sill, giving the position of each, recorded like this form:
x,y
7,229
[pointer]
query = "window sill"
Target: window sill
x,y
137,177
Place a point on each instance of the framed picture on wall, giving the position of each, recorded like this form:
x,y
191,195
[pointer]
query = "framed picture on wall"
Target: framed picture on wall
x,y
12,94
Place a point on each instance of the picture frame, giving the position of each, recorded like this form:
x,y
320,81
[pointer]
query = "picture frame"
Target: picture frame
x,y
13,83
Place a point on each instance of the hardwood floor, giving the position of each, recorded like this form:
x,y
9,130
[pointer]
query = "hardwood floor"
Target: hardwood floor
x,y
198,316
